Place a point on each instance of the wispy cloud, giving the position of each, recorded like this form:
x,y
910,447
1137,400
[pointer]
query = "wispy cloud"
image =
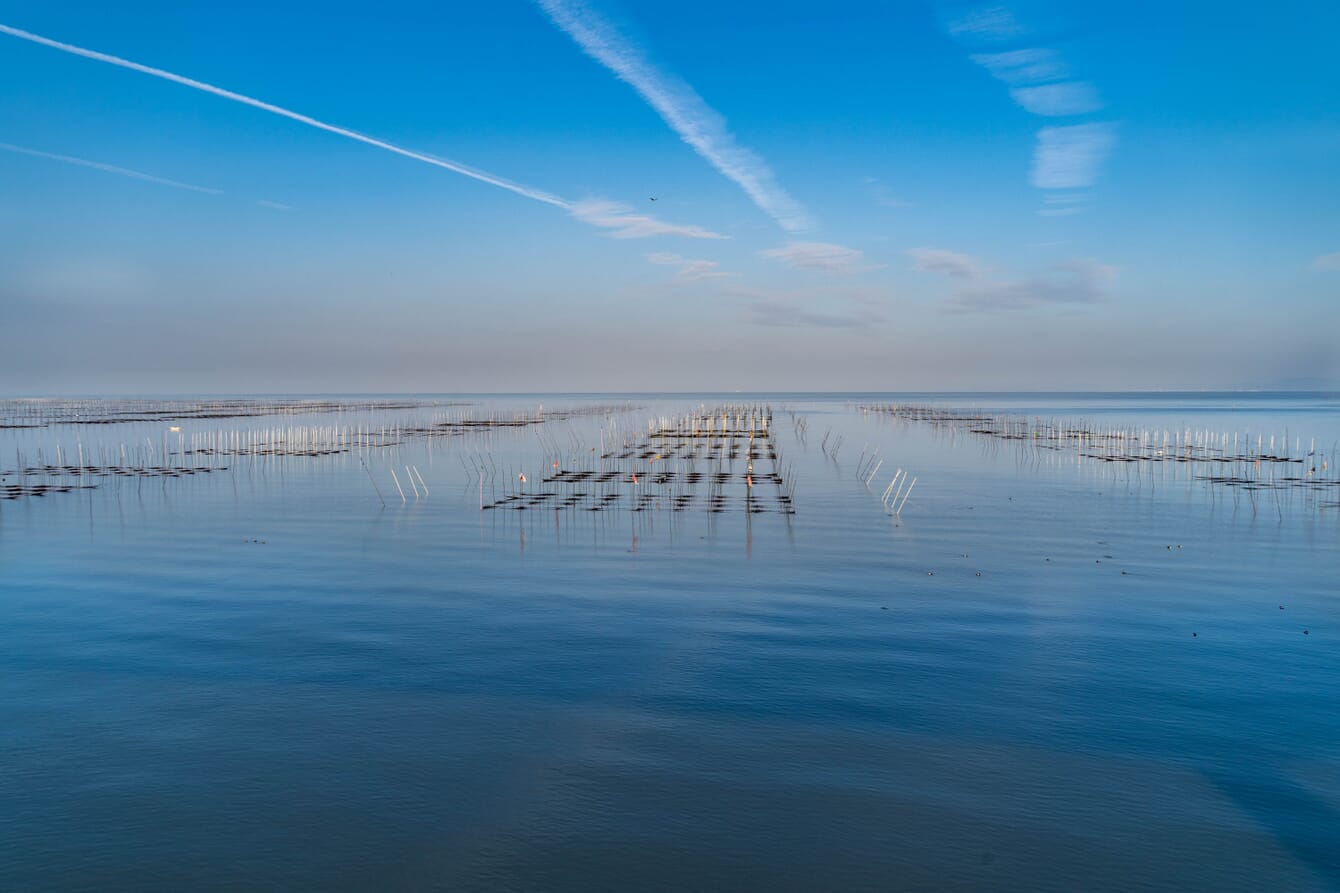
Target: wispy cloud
x,y
473,173
1328,261
1040,83
1074,281
1035,65
109,168
689,270
1062,204
948,263
986,24
1058,100
1068,282
1070,157
623,223
680,107
822,256
883,196
274,206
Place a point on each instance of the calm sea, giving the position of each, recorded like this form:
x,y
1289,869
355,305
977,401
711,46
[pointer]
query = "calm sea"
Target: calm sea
x,y
1050,671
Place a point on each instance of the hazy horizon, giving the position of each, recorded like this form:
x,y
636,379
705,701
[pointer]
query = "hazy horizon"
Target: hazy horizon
x,y
194,395
607,197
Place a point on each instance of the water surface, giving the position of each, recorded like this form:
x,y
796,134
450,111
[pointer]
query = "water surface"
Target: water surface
x,y
1047,673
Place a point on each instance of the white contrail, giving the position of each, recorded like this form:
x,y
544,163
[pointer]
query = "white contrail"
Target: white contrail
x,y
680,107
616,218
109,168
528,192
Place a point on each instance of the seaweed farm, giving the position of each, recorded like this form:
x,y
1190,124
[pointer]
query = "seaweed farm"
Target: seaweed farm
x,y
45,412
703,460
1245,461
714,459
176,454
671,641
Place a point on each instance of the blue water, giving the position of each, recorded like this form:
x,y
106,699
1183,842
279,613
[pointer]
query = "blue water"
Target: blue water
x,y
1046,674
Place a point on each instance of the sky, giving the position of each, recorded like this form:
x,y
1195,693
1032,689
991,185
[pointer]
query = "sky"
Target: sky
x,y
584,195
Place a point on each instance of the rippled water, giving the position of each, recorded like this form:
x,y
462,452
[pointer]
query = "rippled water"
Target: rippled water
x,y
1047,674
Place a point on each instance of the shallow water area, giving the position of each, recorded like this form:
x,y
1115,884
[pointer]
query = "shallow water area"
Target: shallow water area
x,y
355,663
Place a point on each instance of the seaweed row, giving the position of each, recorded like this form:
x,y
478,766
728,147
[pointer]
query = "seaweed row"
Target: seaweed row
x,y
700,461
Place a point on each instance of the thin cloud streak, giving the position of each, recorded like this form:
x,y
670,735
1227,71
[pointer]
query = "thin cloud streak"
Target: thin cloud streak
x,y
1070,157
883,197
1068,282
109,168
680,107
948,263
1039,80
536,194
1021,67
1058,100
1062,204
986,23
1328,261
690,270
625,225
817,256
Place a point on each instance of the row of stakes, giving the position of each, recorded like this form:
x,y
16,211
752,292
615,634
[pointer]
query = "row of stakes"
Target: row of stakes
x,y
181,454
661,468
1246,462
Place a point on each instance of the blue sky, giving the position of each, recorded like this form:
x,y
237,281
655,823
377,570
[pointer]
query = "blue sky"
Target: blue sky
x,y
874,196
